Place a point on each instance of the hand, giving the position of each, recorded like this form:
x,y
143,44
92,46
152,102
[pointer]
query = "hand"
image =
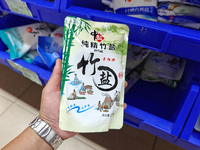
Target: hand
x,y
50,102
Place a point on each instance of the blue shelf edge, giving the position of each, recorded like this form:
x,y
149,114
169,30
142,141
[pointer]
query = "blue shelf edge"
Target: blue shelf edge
x,y
43,74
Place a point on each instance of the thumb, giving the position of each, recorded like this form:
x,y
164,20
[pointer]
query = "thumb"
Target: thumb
x,y
55,79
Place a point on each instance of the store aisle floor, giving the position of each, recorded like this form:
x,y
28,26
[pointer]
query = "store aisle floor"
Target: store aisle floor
x,y
19,105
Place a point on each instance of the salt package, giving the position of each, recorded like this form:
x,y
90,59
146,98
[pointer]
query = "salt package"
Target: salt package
x,y
23,38
93,75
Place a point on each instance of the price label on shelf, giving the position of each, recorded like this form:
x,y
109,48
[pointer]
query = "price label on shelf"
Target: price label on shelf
x,y
26,72
31,75
19,7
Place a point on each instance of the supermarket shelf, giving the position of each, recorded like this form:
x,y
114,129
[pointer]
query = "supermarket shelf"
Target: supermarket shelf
x,y
43,74
190,138
41,10
162,111
175,40
168,113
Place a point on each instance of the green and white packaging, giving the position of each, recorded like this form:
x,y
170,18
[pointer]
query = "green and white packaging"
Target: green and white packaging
x,y
93,75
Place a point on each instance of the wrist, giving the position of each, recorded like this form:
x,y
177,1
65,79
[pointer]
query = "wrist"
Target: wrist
x,y
37,140
45,132
28,140
49,121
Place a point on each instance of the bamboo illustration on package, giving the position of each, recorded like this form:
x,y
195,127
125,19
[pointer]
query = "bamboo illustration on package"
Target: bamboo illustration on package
x,y
71,30
93,65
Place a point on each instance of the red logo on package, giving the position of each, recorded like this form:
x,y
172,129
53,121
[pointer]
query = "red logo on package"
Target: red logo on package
x,y
29,29
99,37
120,75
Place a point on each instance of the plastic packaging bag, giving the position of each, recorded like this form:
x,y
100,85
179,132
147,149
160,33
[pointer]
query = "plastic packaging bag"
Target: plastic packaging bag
x,y
21,39
160,67
136,8
131,79
135,56
108,4
93,75
52,27
191,2
58,32
38,61
179,14
49,49
133,76
30,56
33,57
